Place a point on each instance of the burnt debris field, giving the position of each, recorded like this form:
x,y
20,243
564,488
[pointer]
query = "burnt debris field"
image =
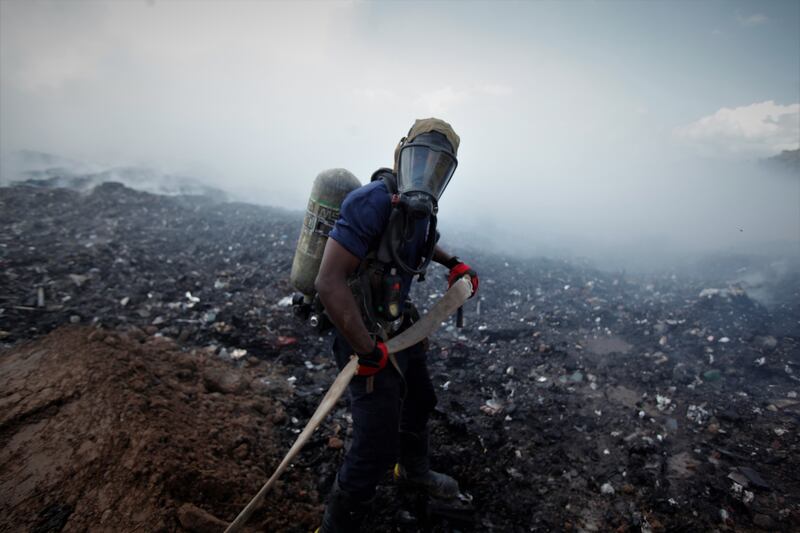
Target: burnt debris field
x,y
152,375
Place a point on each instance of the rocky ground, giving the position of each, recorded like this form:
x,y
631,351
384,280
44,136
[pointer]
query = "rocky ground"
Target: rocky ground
x,y
152,375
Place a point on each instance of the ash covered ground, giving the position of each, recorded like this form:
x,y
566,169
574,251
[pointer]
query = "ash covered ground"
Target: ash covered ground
x,y
152,376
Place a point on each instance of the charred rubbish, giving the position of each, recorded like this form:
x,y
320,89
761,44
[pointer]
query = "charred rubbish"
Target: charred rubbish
x,y
573,398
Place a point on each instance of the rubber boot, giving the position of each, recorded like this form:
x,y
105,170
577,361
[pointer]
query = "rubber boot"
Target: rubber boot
x,y
343,513
414,468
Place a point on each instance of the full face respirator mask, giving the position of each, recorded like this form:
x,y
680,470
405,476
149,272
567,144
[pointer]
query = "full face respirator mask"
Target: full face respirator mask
x,y
425,165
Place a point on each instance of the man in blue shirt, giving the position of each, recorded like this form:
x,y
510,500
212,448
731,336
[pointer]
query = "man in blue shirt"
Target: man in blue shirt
x,y
385,236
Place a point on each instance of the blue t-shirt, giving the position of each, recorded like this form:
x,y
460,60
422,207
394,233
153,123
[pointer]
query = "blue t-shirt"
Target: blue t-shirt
x,y
362,220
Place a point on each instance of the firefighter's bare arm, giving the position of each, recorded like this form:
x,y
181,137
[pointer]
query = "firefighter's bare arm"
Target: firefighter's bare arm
x,y
441,256
331,285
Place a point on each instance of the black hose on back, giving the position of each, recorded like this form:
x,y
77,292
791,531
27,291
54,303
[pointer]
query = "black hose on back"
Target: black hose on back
x,y
399,227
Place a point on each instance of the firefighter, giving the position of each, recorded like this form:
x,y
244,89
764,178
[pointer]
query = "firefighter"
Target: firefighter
x,y
386,236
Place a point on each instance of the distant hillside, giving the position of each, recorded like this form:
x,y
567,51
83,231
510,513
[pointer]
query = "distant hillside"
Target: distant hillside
x,y
49,170
786,160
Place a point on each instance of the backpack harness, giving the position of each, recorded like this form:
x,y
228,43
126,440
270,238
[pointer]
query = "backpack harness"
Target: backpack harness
x,y
377,283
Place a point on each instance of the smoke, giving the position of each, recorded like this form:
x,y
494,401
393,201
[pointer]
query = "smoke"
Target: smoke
x,y
573,142
664,209
761,129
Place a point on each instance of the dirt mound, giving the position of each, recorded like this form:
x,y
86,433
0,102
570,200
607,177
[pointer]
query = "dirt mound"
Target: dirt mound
x,y
122,432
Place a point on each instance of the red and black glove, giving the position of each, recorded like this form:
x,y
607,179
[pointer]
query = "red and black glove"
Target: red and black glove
x,y
458,270
371,363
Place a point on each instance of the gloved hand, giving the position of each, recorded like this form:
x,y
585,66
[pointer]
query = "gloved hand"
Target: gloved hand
x,y
458,270
373,362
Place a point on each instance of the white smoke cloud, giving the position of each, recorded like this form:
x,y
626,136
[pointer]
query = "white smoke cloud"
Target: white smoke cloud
x,y
756,19
756,130
559,139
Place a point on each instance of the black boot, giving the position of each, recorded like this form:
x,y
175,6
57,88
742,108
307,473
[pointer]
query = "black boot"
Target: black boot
x,y
343,514
414,468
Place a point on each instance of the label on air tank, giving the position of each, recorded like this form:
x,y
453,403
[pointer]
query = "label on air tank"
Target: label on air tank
x,y
318,222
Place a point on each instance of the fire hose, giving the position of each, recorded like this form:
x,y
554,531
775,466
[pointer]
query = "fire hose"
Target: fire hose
x,y
450,302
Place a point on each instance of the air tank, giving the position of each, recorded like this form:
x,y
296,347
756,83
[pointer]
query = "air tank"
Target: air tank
x,y
330,188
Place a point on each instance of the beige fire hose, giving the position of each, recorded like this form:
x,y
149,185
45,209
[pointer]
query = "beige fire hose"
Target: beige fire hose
x,y
450,302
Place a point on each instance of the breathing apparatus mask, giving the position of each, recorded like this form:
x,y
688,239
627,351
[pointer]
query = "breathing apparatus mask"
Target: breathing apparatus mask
x,y
425,161
425,166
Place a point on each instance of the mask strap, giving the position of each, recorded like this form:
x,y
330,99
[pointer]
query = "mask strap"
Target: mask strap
x,y
397,153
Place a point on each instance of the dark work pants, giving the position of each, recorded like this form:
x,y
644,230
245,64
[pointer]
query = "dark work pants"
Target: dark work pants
x,y
389,423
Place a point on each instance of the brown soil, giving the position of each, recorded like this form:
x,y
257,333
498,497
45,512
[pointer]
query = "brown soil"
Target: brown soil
x,y
122,432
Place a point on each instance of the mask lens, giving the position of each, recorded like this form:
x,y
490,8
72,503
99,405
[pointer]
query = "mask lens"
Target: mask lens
x,y
424,169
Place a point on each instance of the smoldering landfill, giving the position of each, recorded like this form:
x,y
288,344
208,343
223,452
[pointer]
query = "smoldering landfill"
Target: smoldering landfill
x,y
153,375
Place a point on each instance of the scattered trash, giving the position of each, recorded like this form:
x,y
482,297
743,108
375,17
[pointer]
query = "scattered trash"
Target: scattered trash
x,y
661,359
769,342
662,402
647,345
192,300
78,279
753,477
697,414
285,341
576,377
492,407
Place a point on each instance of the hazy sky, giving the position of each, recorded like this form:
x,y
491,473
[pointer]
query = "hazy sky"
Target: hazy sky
x,y
603,122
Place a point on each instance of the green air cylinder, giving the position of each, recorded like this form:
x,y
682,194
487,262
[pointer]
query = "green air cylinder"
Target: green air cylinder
x,y
330,188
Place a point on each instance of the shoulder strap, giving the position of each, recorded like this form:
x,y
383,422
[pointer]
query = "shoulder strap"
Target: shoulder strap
x,y
388,177
383,253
